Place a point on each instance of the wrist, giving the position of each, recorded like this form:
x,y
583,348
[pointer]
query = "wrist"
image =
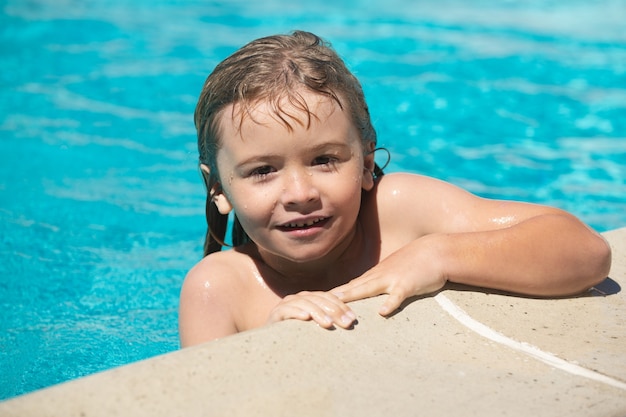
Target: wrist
x,y
434,255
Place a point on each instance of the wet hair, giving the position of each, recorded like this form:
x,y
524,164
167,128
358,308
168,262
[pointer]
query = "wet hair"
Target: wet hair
x,y
272,69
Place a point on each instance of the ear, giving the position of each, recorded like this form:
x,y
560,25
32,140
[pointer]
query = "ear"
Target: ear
x,y
217,193
368,167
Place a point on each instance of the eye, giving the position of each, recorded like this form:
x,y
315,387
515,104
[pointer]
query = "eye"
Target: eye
x,y
324,160
327,163
261,172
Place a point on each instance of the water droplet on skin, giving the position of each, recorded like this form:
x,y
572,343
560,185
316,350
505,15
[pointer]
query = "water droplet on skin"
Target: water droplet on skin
x,y
259,279
504,220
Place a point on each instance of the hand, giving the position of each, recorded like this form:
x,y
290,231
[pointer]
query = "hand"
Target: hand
x,y
408,272
322,307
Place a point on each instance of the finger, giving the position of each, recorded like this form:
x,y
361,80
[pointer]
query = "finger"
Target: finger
x,y
335,309
353,283
359,290
323,320
391,304
287,312
311,305
323,308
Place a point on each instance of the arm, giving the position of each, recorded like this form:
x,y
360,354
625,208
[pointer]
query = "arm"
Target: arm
x,y
215,302
458,237
548,254
204,310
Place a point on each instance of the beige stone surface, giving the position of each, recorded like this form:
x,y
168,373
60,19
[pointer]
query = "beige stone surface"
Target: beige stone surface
x,y
590,329
422,361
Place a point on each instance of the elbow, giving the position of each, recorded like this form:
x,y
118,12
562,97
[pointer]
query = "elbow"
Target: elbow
x,y
599,264
605,257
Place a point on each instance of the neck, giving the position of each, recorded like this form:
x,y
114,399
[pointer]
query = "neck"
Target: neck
x,y
346,261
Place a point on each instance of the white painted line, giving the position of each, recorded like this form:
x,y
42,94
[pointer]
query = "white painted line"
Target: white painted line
x,y
459,314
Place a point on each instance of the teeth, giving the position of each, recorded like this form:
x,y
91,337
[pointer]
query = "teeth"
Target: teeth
x,y
309,223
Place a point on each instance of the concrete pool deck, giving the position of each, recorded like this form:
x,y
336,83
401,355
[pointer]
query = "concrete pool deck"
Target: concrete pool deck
x,y
463,352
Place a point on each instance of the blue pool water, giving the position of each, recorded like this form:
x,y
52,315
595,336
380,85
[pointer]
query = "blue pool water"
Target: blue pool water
x,y
101,205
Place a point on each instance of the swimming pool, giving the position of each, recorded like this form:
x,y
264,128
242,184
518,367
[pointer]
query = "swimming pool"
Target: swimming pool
x,y
101,204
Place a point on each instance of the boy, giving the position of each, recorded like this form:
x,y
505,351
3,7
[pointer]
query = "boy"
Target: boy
x,y
286,144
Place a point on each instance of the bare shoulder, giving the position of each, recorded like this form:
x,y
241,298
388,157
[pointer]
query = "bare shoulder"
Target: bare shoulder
x,y
404,179
213,275
215,267
407,185
209,297
429,205
418,203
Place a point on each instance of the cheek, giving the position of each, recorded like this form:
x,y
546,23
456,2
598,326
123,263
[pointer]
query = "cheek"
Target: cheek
x,y
351,189
252,206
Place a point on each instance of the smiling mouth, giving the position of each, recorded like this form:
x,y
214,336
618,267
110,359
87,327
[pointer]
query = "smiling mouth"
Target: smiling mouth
x,y
303,225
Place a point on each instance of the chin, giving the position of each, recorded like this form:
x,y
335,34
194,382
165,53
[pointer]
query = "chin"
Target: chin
x,y
305,258
303,254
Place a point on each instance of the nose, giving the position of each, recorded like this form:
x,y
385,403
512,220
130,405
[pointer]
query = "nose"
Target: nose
x,y
299,188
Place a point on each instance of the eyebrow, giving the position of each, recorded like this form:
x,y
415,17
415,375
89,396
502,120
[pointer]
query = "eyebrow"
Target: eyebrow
x,y
331,145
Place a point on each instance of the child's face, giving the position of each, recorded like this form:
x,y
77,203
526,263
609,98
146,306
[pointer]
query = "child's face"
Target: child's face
x,y
297,193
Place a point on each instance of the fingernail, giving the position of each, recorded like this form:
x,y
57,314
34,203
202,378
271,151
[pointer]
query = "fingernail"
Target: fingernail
x,y
348,318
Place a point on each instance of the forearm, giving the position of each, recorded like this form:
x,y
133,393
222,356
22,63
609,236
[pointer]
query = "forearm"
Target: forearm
x,y
547,255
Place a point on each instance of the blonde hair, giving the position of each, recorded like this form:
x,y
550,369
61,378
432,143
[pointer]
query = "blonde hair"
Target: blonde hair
x,y
270,69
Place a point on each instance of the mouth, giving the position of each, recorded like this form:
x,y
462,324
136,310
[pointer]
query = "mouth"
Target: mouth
x,y
304,224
